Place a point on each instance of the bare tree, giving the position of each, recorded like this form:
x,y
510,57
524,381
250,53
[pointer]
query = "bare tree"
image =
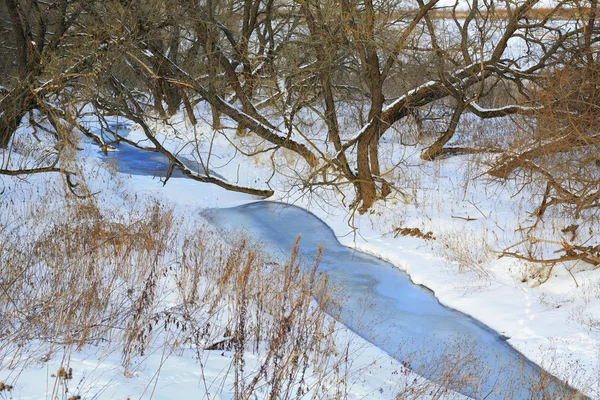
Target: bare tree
x,y
264,65
69,54
558,159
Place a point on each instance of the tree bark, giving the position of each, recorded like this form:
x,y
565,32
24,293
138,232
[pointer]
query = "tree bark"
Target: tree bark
x,y
437,148
12,110
367,185
8,126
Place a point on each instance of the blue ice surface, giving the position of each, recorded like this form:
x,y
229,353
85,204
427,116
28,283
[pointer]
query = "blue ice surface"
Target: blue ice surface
x,y
135,161
383,306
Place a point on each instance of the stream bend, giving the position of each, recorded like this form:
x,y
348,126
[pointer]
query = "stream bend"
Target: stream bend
x,y
380,303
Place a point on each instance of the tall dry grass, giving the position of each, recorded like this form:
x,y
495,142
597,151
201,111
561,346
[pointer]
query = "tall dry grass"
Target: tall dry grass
x,y
77,276
129,281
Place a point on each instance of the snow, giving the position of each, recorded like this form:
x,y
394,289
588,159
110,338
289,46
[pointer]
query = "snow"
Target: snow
x,y
381,304
411,92
500,109
97,372
552,324
549,336
552,333
373,375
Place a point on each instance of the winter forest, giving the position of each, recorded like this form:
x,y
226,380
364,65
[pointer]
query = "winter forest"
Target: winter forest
x,y
299,199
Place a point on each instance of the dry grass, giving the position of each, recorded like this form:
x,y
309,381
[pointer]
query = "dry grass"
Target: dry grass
x,y
469,251
264,307
131,281
76,281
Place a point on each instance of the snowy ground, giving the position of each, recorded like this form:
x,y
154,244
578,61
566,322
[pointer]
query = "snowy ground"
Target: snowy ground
x,y
372,375
553,324
97,372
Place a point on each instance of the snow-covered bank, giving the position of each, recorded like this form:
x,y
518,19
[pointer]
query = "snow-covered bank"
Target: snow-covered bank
x,y
554,324
381,305
166,369
549,323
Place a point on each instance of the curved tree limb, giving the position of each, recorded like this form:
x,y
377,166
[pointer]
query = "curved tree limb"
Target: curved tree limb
x,y
137,116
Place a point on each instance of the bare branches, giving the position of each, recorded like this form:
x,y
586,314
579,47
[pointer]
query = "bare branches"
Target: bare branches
x,y
587,254
137,115
326,80
30,171
264,130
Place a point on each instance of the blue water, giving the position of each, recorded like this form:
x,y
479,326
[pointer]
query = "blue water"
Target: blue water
x,y
134,161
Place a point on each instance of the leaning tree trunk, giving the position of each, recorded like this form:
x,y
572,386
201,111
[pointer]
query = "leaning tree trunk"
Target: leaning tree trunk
x,y
12,110
437,148
5,132
8,126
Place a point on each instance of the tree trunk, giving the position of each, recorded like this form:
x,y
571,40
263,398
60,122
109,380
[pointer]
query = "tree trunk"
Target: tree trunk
x,y
158,106
189,109
173,99
216,117
324,57
374,156
6,132
375,168
8,126
367,185
437,148
12,110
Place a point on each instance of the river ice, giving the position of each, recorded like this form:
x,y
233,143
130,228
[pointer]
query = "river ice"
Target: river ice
x,y
383,306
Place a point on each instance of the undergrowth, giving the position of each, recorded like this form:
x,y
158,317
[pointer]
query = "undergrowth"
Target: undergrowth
x,y
127,281
77,276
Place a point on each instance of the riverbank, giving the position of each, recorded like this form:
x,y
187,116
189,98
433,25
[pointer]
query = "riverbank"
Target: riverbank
x,y
551,319
551,323
85,248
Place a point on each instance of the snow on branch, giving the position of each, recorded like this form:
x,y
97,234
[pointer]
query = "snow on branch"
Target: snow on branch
x,y
502,111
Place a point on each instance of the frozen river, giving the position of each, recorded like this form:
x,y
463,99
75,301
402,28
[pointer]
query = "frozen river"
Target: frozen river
x,y
381,304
